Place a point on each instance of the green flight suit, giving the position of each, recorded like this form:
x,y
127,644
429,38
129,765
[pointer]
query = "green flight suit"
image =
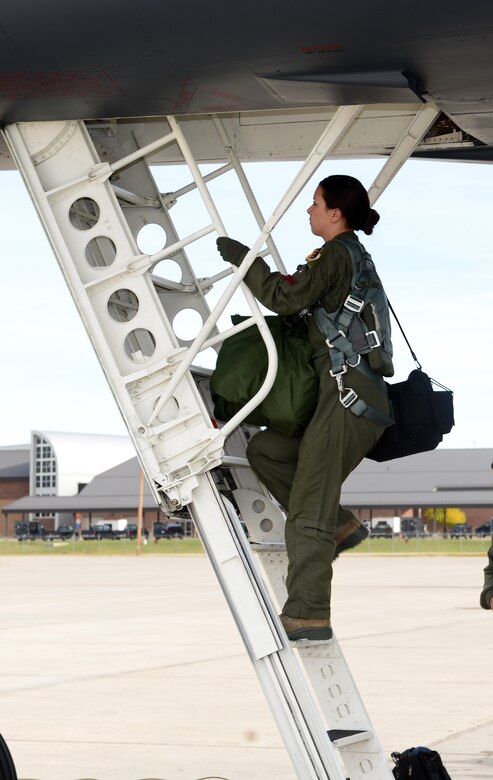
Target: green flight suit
x,y
306,474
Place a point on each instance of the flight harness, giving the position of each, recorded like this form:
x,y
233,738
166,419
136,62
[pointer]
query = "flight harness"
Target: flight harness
x,y
361,326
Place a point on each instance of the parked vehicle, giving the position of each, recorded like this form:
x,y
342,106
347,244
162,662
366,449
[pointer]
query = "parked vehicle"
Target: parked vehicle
x,y
485,530
30,530
131,531
381,530
412,528
168,531
65,531
62,532
103,531
461,531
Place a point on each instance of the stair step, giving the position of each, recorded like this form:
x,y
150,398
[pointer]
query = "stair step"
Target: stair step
x,y
343,737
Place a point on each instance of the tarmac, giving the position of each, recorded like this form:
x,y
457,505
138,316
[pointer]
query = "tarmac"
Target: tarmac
x,y
131,668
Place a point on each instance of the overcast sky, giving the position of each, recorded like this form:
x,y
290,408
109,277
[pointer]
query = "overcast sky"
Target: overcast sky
x,y
431,249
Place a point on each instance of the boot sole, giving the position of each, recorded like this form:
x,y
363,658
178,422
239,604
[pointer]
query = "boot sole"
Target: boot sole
x,y
310,634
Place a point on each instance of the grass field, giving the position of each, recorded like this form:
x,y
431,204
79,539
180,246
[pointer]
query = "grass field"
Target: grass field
x,y
101,547
395,546
431,546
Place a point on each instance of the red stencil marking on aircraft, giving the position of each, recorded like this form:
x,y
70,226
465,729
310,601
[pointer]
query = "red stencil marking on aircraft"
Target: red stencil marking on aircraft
x,y
21,85
324,48
229,102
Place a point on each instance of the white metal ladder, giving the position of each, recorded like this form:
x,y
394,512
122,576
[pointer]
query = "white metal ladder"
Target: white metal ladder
x,y
94,191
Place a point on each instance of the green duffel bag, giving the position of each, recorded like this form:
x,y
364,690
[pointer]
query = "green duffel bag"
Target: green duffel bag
x,y
242,367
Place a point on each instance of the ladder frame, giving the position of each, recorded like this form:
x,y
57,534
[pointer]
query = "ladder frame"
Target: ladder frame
x,y
179,474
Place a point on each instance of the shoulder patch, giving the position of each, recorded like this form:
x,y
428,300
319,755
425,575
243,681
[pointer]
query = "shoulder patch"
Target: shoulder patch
x,y
315,254
289,279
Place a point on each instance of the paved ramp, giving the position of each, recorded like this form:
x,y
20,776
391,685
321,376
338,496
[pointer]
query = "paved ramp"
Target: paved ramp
x,y
131,668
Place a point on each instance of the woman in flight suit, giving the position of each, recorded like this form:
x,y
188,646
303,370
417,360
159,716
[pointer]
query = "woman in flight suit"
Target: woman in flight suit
x,y
305,475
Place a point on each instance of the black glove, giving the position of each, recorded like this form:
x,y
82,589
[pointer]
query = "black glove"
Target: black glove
x,y
230,250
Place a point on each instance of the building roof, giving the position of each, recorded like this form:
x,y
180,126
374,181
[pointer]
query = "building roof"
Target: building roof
x,y
19,471
443,477
121,484
116,489
14,462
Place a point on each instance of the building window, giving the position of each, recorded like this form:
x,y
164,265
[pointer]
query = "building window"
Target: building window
x,y
45,465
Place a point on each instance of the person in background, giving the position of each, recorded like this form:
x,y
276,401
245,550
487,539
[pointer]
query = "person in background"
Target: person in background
x,y
486,597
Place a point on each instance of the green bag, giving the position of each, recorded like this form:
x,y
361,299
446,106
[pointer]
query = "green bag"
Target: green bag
x,y
242,367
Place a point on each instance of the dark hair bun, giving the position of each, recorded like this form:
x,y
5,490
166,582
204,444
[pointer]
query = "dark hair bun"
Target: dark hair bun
x,y
370,222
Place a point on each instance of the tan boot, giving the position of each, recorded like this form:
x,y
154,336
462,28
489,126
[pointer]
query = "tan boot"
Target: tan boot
x,y
349,535
306,628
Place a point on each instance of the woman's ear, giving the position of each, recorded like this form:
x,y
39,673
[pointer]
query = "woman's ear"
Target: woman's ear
x,y
336,215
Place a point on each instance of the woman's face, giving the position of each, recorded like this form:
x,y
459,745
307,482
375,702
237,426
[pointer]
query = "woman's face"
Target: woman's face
x,y
321,217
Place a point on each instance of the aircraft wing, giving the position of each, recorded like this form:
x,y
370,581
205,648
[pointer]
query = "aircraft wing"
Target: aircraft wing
x,y
275,61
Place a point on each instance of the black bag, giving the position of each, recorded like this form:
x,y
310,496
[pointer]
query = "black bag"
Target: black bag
x,y
421,416
419,763
242,367
7,768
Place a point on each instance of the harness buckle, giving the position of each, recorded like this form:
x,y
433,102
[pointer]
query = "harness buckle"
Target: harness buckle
x,y
338,373
349,398
353,304
353,365
372,339
331,343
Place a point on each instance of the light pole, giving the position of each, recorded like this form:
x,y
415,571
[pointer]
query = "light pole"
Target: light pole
x,y
140,514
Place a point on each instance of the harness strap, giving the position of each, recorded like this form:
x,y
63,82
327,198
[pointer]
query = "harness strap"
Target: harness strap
x,y
350,399
361,409
342,352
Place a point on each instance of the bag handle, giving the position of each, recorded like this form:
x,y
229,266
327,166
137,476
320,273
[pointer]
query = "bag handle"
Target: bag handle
x,y
418,364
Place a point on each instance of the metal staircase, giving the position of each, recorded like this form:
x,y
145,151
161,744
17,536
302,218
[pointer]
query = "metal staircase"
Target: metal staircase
x,y
96,196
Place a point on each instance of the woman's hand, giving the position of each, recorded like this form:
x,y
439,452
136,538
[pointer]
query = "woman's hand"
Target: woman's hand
x,y
230,250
